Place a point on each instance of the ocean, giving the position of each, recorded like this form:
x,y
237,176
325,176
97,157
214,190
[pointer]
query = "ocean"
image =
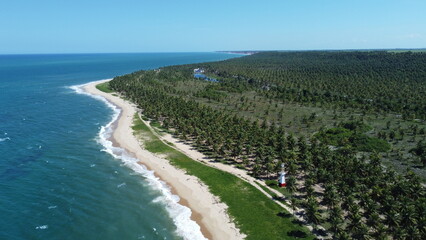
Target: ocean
x,y
59,178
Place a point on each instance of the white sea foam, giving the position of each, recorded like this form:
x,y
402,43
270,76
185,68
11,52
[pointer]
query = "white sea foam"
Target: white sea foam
x,y
181,215
5,139
42,227
79,90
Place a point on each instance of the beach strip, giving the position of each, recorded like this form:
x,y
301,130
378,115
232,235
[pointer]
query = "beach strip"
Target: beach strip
x,y
207,211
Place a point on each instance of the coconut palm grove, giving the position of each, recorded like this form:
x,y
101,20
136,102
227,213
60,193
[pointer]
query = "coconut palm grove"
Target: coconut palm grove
x,y
349,127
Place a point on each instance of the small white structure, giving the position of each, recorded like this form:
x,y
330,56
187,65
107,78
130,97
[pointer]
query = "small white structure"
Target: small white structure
x,y
198,70
281,179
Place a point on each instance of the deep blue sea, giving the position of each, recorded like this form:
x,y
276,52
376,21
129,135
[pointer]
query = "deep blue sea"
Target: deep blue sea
x,y
56,180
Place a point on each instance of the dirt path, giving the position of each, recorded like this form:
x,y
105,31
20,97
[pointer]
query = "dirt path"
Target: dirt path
x,y
242,174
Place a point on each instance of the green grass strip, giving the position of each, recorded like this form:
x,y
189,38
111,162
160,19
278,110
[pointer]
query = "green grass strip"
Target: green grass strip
x,y
254,213
104,87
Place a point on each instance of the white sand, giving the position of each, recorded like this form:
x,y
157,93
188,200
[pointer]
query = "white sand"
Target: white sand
x,y
207,210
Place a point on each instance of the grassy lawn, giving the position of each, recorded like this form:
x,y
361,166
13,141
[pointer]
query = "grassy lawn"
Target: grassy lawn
x,y
104,87
273,184
256,215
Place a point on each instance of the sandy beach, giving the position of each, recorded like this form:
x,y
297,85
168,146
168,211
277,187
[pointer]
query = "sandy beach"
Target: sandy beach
x,y
207,211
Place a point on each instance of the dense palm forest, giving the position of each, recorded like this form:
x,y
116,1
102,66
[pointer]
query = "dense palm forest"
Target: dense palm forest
x,y
333,118
378,81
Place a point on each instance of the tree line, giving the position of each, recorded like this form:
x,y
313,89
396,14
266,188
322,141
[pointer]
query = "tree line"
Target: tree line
x,y
376,81
359,200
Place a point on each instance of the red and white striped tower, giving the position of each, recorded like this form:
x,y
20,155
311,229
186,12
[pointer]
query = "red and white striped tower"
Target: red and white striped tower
x,y
281,179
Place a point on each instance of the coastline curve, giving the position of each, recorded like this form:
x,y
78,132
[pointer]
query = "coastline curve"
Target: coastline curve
x,y
196,212
181,215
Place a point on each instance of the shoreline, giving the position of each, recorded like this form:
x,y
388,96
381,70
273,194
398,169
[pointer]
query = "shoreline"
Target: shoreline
x,y
206,209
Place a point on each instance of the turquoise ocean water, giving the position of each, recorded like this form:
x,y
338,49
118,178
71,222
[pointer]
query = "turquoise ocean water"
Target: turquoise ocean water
x,y
57,179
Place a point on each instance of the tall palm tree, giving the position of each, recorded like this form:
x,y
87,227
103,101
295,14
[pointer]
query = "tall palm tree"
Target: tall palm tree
x,y
409,216
399,233
355,219
360,232
294,202
335,219
291,184
380,232
312,213
330,196
374,220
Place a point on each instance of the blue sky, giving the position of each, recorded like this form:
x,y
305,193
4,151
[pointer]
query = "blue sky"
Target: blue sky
x,y
65,26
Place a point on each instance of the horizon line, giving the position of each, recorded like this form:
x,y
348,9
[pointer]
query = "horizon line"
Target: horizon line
x,y
222,51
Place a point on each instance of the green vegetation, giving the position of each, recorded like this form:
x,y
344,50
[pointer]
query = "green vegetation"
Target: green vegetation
x,y
351,134
375,81
288,107
104,87
274,184
420,151
255,214
407,50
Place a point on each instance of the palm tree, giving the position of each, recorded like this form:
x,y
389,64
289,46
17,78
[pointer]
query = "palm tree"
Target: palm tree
x,y
374,220
408,216
291,184
312,212
399,233
348,203
342,235
413,232
330,195
360,232
335,219
308,186
294,202
354,218
380,233
393,220
256,171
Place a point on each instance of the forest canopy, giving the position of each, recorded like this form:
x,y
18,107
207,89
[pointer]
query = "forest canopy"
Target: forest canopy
x,y
344,110
378,80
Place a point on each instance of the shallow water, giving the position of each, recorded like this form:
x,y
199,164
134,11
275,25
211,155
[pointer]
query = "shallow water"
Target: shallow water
x,y
58,179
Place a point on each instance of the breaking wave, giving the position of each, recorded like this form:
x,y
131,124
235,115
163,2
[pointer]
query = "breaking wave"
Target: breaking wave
x,y
181,215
